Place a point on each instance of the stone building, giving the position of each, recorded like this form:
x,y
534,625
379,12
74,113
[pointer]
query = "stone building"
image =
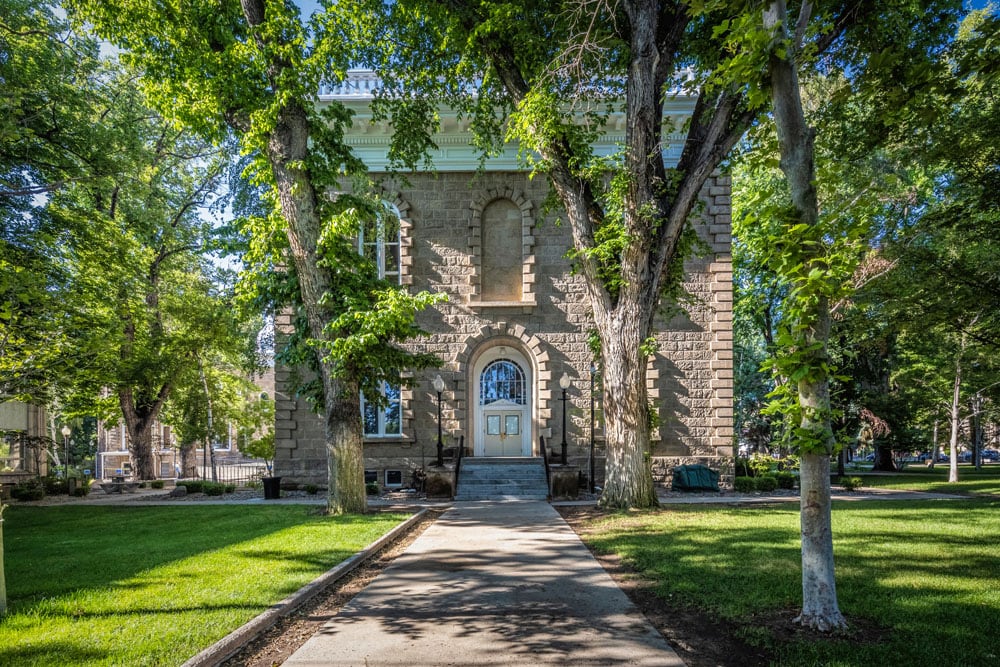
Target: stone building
x,y
516,321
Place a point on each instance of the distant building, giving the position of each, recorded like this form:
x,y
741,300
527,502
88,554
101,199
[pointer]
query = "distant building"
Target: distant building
x,y
24,442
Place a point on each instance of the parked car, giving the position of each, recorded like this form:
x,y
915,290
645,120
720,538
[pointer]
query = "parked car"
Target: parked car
x,y
991,455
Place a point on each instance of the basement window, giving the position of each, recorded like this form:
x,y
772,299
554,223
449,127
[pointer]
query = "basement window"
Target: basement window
x,y
393,478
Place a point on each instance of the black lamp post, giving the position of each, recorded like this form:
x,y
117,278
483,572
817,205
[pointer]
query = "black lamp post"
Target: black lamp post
x,y
593,373
564,385
439,387
65,434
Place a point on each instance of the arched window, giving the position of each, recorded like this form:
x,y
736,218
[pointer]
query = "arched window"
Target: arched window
x,y
379,242
502,380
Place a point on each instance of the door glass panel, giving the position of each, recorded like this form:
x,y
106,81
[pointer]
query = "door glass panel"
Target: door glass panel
x,y
513,424
492,424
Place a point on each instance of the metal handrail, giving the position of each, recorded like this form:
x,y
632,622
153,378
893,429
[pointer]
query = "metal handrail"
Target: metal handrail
x,y
458,459
545,460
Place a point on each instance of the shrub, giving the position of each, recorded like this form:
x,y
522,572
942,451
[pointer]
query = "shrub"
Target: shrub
x,y
766,483
851,483
28,490
82,488
229,488
786,480
744,484
212,488
142,485
156,484
371,488
761,464
55,486
192,486
789,463
312,489
742,467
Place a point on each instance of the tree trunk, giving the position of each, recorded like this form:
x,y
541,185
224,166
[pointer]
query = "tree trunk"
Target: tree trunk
x,y
345,437
935,449
956,418
140,443
820,609
819,590
189,462
883,459
288,155
297,197
976,430
628,475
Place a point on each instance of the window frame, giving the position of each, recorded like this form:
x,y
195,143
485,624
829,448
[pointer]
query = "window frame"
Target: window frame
x,y
381,243
381,412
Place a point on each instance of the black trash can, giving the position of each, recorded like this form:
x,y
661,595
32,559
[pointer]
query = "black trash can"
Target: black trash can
x,y
272,488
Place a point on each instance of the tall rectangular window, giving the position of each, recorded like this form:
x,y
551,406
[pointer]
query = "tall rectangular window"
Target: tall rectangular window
x,y
379,242
383,420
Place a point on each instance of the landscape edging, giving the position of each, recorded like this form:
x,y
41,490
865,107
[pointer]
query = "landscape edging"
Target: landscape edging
x,y
229,645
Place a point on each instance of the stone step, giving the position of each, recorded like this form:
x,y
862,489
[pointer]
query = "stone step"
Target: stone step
x,y
495,478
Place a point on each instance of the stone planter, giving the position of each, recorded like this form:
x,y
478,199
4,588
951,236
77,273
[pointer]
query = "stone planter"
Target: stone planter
x,y
440,482
564,481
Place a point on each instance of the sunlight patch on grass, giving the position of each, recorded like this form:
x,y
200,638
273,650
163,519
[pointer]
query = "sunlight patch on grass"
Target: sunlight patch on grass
x,y
103,586
926,570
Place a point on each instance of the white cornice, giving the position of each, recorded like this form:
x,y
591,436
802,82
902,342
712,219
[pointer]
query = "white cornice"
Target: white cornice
x,y
370,140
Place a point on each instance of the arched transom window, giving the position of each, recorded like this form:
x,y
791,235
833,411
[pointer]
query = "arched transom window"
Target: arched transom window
x,y
502,380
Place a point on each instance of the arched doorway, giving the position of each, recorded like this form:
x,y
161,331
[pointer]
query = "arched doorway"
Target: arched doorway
x,y
502,384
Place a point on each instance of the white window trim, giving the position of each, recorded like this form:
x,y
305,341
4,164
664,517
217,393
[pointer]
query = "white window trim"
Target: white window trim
x,y
380,412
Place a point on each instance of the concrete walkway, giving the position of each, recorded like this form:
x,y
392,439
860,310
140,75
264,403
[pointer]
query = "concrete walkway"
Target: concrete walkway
x,y
491,584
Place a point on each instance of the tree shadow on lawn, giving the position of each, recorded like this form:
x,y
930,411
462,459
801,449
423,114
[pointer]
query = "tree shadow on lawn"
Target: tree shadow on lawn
x,y
750,577
69,567
51,551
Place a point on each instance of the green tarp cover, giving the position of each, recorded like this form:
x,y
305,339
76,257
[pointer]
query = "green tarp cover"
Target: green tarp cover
x,y
695,478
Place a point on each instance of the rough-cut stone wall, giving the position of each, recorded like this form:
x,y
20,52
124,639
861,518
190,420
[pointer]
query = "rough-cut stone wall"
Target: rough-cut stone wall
x,y
690,376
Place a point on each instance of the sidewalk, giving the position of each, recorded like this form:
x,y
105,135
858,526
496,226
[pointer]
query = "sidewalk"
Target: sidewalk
x,y
491,584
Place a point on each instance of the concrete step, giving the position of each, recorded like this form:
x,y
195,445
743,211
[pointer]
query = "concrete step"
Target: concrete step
x,y
494,478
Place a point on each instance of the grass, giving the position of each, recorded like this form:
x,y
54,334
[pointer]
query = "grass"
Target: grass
x,y
155,585
926,571
970,480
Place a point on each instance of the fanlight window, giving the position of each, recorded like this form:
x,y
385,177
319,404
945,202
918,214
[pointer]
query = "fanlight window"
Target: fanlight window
x,y
502,380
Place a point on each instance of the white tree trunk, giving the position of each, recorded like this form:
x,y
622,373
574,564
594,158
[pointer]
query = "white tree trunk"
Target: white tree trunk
x,y
820,609
936,449
819,590
956,419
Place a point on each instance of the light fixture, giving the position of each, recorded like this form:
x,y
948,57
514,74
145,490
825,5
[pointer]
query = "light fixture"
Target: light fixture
x,y
65,434
439,387
564,382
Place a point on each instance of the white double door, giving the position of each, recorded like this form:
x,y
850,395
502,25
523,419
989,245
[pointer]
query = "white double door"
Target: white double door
x,y
504,430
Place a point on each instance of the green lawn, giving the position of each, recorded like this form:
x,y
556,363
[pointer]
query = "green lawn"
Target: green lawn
x,y
926,571
914,478
155,585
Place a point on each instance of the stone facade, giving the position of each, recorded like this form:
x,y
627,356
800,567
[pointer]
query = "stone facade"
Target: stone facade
x,y
481,237
544,322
